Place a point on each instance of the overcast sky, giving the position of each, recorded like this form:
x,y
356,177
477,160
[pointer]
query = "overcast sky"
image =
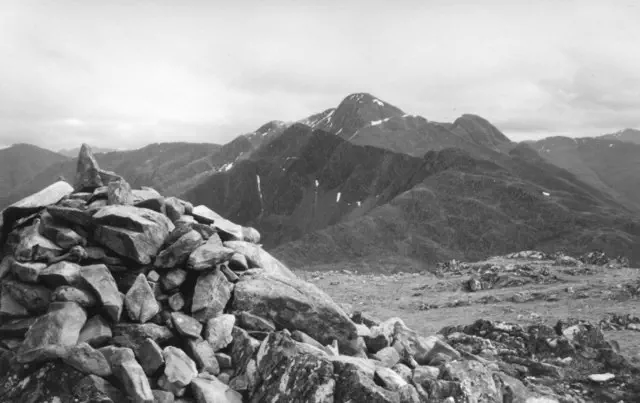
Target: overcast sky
x,y
127,73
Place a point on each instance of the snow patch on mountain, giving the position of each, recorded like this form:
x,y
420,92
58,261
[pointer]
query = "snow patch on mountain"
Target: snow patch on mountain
x,y
338,197
378,102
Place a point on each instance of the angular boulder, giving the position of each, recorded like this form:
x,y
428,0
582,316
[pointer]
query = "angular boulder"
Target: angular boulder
x,y
208,255
176,254
61,273
140,300
292,371
52,332
294,304
132,232
211,390
99,279
210,296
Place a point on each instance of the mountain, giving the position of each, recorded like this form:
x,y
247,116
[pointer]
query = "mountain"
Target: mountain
x,y
366,120
73,152
606,163
169,167
318,199
629,135
20,162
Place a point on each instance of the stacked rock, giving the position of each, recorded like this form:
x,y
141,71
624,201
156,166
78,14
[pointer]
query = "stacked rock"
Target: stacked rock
x,y
113,294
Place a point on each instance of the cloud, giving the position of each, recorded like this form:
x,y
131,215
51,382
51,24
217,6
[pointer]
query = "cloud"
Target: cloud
x,y
123,74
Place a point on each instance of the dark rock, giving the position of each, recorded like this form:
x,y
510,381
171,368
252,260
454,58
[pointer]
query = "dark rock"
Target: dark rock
x,y
15,328
296,305
140,301
9,306
55,230
99,279
96,332
258,257
210,296
178,252
238,262
218,331
98,390
52,332
243,349
74,216
186,325
5,265
228,273
155,204
132,232
144,193
302,337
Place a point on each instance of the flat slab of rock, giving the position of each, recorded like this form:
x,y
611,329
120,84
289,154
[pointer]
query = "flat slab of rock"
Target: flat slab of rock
x,y
258,257
210,296
36,202
67,293
132,232
186,325
86,359
99,279
29,272
294,304
52,332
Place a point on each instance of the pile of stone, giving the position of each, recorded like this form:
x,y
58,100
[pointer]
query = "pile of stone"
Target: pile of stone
x,y
491,276
621,322
113,294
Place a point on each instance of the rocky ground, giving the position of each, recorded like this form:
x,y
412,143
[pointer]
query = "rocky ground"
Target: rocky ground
x,y
111,294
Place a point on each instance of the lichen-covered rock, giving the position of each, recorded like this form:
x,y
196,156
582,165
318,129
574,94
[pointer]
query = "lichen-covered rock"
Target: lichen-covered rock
x,y
292,371
132,335
86,359
296,305
67,293
179,370
186,325
61,273
29,272
218,331
203,355
208,255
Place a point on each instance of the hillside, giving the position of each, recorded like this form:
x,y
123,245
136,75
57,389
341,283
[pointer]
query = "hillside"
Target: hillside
x,y
73,152
606,163
20,162
319,199
158,165
628,135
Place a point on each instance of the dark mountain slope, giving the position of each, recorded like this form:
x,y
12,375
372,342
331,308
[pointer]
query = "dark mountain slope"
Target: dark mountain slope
x,y
21,162
606,164
479,131
305,180
466,209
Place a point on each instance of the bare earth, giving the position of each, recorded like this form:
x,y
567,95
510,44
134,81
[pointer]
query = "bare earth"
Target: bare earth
x,y
427,302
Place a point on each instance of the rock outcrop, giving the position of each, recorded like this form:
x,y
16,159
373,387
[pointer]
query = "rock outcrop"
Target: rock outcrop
x,y
161,302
